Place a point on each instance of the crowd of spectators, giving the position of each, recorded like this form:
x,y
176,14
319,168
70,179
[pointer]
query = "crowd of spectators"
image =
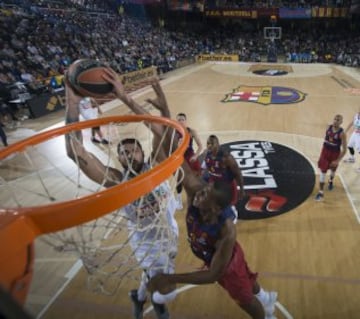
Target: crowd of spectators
x,y
277,3
38,42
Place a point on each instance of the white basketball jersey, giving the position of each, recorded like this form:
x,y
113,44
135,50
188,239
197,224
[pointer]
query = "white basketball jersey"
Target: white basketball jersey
x,y
356,122
143,211
153,230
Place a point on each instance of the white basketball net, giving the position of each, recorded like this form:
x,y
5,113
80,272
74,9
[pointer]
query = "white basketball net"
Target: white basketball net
x,y
113,247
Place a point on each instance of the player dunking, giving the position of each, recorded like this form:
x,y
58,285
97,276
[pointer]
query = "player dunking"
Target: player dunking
x,y
154,254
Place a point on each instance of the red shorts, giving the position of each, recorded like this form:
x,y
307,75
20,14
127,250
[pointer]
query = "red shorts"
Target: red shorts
x,y
238,280
195,165
326,157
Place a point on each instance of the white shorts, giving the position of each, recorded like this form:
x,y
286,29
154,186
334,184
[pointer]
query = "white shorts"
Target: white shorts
x,y
155,248
354,141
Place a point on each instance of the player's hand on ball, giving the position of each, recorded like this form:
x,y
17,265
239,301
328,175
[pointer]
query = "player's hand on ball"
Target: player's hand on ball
x,y
111,76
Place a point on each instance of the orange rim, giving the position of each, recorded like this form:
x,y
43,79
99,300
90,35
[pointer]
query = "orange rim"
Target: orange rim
x,y
58,216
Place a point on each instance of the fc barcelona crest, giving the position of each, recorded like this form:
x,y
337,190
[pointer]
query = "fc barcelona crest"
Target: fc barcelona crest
x,y
265,95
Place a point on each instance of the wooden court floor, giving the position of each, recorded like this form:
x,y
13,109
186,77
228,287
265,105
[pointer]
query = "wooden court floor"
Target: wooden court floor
x,y
309,255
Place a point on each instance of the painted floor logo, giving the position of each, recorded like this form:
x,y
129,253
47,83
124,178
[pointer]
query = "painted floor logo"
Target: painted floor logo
x,y
265,95
270,72
277,178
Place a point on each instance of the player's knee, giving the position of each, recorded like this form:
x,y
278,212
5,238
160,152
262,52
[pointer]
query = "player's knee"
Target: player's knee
x,y
322,177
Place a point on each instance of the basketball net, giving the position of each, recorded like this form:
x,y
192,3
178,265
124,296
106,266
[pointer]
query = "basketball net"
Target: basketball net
x,y
115,246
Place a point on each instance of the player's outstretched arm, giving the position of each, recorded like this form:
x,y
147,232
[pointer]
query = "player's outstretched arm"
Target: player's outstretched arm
x,y
112,77
161,141
222,256
234,167
90,165
198,144
160,102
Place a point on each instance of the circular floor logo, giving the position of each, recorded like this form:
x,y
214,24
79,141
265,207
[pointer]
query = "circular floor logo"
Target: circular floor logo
x,y
277,178
270,72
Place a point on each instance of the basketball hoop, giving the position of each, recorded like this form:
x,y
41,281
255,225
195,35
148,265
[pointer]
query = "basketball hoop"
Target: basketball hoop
x,y
33,177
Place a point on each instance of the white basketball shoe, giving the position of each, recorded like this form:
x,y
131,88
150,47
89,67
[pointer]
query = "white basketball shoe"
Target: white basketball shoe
x,y
269,304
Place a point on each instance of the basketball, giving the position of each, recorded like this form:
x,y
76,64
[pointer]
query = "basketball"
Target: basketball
x,y
86,78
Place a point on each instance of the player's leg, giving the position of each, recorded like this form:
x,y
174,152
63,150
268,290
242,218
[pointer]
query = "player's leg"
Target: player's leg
x,y
357,145
320,195
331,179
179,203
241,284
138,297
267,299
323,165
254,309
165,263
351,146
93,135
333,169
156,257
97,131
3,135
141,250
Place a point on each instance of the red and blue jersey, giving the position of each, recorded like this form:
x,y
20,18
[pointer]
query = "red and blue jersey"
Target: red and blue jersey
x,y
203,237
333,139
215,168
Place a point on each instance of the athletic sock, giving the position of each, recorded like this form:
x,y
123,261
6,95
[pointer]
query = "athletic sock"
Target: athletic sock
x,y
263,296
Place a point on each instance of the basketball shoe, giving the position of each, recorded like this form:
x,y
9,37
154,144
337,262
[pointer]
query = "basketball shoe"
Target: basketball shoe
x,y
330,185
104,141
138,306
160,310
268,300
269,304
95,140
319,197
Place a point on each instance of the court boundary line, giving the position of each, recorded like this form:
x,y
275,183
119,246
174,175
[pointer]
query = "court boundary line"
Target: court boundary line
x,y
348,194
74,270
